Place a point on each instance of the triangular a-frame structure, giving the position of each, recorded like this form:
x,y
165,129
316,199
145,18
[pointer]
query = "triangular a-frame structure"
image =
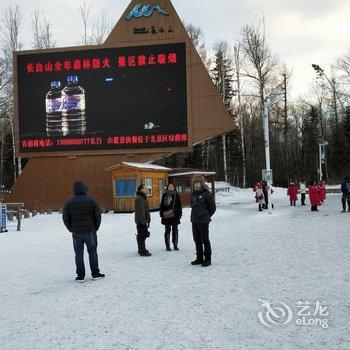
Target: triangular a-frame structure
x,y
46,182
209,116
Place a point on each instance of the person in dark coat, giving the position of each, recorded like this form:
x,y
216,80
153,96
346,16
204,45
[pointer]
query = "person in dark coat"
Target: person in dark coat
x,y
203,208
267,191
345,188
82,217
142,219
171,201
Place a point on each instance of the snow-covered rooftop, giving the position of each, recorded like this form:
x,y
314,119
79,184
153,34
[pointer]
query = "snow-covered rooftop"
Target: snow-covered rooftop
x,y
146,166
193,173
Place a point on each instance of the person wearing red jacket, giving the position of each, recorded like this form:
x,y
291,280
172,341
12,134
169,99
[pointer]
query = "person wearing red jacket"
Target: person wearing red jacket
x,y
292,193
323,191
314,194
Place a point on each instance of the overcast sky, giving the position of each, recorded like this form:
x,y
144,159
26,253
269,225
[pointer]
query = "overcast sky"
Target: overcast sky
x,y
300,32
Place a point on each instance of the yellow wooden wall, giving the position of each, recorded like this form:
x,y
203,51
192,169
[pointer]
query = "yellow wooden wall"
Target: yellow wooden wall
x,y
126,204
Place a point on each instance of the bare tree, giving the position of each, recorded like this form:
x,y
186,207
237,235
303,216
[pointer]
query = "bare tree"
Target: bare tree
x,y
343,64
286,75
259,62
94,31
102,27
197,37
84,10
9,31
42,35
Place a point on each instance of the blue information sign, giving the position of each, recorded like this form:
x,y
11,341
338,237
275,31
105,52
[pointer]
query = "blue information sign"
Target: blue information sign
x,y
3,219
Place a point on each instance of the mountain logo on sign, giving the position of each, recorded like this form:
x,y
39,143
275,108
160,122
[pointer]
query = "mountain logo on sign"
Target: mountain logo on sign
x,y
145,11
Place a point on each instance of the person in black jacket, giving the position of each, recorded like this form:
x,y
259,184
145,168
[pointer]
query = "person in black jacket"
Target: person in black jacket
x,y
142,219
171,201
203,208
82,217
345,188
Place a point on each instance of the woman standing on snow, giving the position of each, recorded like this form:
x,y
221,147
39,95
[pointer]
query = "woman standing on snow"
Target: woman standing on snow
x,y
292,193
314,194
171,213
259,196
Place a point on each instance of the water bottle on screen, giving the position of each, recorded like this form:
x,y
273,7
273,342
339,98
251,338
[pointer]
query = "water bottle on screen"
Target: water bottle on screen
x,y
74,121
54,104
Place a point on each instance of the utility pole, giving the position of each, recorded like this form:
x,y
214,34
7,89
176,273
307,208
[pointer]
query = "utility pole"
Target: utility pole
x,y
238,78
267,104
267,154
2,153
285,127
320,148
224,135
334,91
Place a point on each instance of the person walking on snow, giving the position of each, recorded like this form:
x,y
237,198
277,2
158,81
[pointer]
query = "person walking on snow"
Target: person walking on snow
x,y
314,194
345,188
302,187
292,193
203,208
82,217
142,219
171,213
323,191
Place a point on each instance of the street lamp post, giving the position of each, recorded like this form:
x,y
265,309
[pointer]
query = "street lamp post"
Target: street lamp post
x,y
267,104
320,145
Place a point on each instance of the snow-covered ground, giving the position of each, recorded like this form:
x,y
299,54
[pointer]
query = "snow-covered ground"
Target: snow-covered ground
x,y
163,302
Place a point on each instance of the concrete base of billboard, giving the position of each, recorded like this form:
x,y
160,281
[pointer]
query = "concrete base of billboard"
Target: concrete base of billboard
x,y
47,182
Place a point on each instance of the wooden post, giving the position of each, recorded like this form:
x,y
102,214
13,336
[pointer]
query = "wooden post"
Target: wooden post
x,y
19,218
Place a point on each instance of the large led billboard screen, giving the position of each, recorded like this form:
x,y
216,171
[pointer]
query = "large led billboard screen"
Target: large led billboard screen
x,y
105,99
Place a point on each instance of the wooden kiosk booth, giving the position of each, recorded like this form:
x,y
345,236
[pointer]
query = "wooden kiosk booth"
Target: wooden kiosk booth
x,y
127,176
143,94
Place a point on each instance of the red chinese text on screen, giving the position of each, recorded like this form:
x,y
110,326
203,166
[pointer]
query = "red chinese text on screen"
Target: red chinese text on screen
x,y
97,63
113,140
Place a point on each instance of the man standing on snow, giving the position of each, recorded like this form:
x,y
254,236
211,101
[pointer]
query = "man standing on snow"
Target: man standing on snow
x,y
345,188
203,208
142,219
82,217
